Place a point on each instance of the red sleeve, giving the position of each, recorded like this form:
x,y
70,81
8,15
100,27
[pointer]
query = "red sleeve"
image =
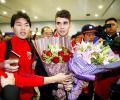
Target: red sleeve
x,y
102,87
28,80
2,73
2,52
2,57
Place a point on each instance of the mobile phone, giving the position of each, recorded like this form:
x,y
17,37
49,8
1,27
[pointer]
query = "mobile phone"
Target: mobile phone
x,y
13,55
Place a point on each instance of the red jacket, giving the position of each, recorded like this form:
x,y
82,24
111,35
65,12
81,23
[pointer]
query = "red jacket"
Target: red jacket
x,y
25,78
102,87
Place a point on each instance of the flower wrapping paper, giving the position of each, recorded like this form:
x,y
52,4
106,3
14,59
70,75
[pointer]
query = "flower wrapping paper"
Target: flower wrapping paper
x,y
53,69
41,44
86,71
82,68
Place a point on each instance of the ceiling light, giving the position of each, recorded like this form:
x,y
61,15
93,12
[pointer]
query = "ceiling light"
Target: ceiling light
x,y
3,33
24,11
100,6
58,8
4,13
96,15
35,17
3,1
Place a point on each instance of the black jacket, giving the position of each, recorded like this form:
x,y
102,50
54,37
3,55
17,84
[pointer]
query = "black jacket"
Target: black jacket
x,y
46,90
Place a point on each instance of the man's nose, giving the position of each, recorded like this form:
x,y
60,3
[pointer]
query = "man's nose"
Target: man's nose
x,y
62,26
23,27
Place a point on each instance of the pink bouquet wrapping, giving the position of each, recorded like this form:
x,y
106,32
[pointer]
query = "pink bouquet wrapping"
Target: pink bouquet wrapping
x,y
53,69
55,54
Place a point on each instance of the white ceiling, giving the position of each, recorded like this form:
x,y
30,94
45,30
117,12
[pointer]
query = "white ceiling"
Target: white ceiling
x,y
46,9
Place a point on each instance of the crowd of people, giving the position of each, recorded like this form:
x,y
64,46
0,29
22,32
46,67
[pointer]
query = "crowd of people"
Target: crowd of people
x,y
19,76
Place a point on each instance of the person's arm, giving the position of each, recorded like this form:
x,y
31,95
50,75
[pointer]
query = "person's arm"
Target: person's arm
x,y
58,78
28,80
34,80
40,70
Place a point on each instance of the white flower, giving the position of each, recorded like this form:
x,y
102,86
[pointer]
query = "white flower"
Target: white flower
x,y
96,53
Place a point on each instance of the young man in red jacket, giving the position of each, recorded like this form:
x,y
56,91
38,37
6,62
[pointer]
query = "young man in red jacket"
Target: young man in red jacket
x,y
22,67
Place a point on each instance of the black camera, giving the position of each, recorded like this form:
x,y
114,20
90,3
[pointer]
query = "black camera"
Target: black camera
x,y
101,30
113,42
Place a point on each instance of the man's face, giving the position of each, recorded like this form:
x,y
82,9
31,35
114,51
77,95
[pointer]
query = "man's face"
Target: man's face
x,y
89,37
21,28
47,32
78,39
113,28
62,26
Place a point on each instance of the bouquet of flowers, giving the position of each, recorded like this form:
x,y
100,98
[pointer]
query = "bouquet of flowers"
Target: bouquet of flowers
x,y
96,54
88,60
55,59
55,54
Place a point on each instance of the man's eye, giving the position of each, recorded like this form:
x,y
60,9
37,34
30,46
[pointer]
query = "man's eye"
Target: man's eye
x,y
58,23
27,25
113,24
18,24
65,22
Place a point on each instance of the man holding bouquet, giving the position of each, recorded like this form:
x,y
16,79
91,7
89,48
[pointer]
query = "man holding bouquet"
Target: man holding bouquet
x,y
62,24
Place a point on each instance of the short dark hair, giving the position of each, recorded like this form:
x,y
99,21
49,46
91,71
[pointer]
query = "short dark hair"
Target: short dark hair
x,y
63,14
79,33
109,19
18,15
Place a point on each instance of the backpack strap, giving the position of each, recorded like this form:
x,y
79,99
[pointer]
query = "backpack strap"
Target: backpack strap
x,y
8,49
